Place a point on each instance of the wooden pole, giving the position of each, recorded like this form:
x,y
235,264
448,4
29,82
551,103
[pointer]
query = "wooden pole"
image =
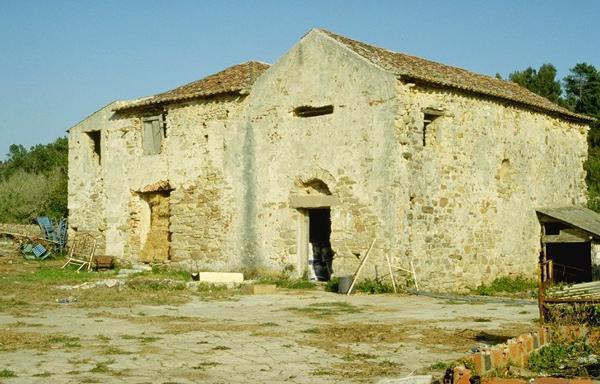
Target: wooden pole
x,y
412,267
391,273
360,267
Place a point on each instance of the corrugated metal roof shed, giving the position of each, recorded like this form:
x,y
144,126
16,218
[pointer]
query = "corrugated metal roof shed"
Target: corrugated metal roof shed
x,y
579,217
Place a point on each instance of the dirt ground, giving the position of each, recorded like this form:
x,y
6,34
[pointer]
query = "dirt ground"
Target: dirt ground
x,y
115,335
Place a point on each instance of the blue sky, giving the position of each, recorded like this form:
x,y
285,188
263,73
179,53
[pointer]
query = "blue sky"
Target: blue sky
x,y
62,60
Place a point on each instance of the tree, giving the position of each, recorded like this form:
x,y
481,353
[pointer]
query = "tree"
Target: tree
x,y
542,81
34,182
582,88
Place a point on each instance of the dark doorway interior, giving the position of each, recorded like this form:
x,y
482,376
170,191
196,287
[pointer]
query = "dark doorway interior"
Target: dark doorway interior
x,y
319,238
571,262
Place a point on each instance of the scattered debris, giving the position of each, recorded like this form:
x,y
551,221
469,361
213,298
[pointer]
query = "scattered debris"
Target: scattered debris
x,y
109,283
419,379
135,268
35,251
67,300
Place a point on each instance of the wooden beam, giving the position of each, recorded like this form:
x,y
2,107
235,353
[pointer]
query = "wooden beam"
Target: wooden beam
x,y
567,235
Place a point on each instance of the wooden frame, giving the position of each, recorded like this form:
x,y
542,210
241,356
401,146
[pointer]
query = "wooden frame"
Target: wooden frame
x,y
82,252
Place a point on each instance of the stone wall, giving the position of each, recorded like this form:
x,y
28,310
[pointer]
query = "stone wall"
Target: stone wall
x,y
21,229
456,198
352,151
476,182
106,197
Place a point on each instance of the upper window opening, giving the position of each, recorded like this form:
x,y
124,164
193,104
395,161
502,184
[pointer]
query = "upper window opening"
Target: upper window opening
x,y
308,111
96,144
429,115
154,130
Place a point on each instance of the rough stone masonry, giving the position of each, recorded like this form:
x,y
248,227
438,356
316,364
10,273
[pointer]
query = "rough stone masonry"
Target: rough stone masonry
x,y
443,167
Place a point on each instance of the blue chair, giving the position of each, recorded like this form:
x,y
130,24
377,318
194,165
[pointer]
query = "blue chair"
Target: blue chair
x,y
47,228
57,234
35,251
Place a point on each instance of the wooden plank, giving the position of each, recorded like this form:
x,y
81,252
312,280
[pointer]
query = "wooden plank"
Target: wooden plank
x,y
565,237
360,267
387,257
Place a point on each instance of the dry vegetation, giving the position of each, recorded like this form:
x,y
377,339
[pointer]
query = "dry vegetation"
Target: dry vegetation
x,y
147,323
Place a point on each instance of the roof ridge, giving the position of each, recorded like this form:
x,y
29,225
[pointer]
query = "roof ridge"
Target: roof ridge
x,y
418,68
235,79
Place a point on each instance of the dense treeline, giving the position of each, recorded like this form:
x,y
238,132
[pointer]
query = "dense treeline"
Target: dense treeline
x,y
580,92
34,182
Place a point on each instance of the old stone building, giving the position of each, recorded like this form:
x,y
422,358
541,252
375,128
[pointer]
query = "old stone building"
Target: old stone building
x,y
338,141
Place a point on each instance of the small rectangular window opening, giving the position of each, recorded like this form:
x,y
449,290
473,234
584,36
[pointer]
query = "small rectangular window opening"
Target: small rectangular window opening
x,y
308,111
154,131
429,115
96,144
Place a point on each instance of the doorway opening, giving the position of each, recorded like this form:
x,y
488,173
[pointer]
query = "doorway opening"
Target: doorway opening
x,y
156,247
320,253
571,262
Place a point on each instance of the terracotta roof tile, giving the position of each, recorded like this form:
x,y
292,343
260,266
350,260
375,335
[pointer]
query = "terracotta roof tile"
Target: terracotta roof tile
x,y
415,68
236,79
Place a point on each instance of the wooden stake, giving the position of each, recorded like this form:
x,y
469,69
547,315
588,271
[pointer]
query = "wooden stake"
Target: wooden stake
x,y
391,273
412,266
360,267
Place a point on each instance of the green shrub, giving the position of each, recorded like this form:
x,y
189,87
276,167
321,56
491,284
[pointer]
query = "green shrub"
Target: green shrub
x,y
6,373
285,281
573,314
373,286
508,285
333,285
566,359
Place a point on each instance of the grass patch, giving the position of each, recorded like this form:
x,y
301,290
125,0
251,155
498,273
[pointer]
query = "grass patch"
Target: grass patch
x,y
11,340
53,275
360,369
268,324
320,372
563,358
333,285
359,356
508,286
103,338
115,351
284,281
43,374
373,286
208,291
327,309
221,348
7,373
66,341
22,324
141,283
439,366
103,367
205,365
164,273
